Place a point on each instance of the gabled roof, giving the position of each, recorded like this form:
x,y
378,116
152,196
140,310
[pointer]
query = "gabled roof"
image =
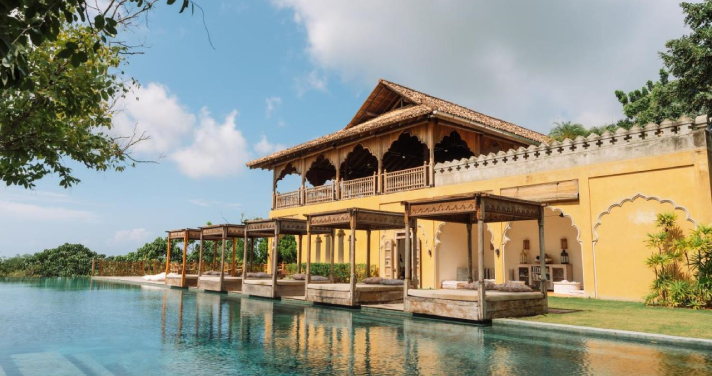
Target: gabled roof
x,y
390,104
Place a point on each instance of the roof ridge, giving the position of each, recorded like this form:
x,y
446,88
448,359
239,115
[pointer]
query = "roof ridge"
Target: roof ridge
x,y
391,83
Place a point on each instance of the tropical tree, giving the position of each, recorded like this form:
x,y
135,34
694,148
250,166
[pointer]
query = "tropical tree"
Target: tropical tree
x,y
567,129
67,260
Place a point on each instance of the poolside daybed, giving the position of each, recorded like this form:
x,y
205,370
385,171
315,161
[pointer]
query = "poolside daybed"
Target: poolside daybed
x,y
479,304
274,287
176,280
184,280
221,282
353,294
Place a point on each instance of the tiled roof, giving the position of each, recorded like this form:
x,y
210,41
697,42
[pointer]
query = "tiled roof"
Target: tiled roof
x,y
438,104
423,105
389,118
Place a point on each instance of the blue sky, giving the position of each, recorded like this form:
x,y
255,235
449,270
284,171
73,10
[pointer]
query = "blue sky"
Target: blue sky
x,y
287,71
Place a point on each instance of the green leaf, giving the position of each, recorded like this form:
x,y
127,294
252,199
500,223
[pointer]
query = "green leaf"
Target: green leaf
x,y
170,2
97,45
65,53
99,21
71,45
76,60
185,5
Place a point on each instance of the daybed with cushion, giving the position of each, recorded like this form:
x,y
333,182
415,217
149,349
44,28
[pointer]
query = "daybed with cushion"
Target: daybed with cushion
x,y
262,286
374,290
210,281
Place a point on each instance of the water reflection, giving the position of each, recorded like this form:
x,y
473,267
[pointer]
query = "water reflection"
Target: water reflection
x,y
281,338
144,330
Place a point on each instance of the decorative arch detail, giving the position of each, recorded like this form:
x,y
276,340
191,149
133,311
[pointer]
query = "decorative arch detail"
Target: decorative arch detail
x,y
631,199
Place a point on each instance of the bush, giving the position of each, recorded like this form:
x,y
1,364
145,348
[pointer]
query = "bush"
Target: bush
x,y
67,260
342,271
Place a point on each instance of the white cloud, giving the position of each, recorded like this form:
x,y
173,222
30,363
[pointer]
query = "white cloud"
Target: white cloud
x,y
135,236
16,210
310,81
272,104
281,124
217,150
265,147
156,112
547,59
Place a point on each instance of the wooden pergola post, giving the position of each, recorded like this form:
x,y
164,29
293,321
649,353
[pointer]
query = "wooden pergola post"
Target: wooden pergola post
x,y
234,256
185,258
168,258
352,259
222,258
215,254
200,256
299,254
275,247
481,294
331,256
245,257
368,253
307,280
542,256
470,269
406,283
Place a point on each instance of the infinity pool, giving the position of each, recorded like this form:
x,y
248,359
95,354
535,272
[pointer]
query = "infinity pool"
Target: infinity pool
x,y
80,327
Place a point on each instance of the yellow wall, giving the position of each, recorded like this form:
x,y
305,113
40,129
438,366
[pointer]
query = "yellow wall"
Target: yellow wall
x,y
681,178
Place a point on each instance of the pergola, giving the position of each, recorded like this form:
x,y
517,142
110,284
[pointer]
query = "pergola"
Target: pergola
x,y
352,219
477,208
222,233
186,234
273,228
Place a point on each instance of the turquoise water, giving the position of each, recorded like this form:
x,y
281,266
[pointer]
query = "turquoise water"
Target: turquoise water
x,y
79,327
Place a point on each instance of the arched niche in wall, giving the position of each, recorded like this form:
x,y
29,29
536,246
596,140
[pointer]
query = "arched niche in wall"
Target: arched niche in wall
x,y
320,171
405,152
359,163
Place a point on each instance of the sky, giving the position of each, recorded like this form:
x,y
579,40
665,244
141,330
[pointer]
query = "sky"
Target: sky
x,y
282,72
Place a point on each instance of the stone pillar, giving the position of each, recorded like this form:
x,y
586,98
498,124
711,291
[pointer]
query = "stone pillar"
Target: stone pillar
x,y
341,235
318,248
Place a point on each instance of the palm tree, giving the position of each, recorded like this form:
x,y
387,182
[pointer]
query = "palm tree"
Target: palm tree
x,y
568,129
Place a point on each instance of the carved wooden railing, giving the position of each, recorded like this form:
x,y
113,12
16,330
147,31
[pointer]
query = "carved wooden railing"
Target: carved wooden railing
x,y
322,193
286,200
405,180
362,187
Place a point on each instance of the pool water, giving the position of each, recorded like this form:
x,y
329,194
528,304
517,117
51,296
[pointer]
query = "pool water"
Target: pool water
x,y
83,327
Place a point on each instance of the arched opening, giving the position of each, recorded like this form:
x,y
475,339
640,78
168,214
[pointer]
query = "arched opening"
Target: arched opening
x,y
405,152
320,172
359,163
451,148
451,253
522,248
288,180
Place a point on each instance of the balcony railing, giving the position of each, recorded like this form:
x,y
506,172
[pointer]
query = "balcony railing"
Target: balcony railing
x,y
397,181
286,200
405,180
362,187
316,195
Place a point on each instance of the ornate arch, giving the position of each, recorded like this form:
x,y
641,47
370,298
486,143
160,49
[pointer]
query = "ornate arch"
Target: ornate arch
x,y
619,205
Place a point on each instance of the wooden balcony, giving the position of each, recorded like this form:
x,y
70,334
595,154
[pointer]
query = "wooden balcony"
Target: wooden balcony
x,y
393,182
317,195
405,180
362,187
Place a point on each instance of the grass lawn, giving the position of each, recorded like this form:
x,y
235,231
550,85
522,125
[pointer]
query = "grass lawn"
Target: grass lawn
x,y
629,316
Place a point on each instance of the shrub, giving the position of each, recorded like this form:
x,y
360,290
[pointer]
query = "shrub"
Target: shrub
x,y
342,271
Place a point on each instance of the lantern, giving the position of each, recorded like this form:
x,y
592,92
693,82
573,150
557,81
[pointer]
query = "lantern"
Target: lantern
x,y
523,257
564,255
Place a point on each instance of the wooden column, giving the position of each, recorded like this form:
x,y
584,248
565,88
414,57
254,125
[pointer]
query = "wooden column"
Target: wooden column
x,y
275,247
368,253
234,256
302,187
431,149
274,188
380,175
542,256
352,259
222,258
406,283
307,280
331,256
470,269
185,258
481,269
245,257
168,258
299,254
200,255
337,180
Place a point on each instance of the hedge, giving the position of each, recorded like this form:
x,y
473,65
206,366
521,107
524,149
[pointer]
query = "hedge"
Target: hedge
x,y
342,271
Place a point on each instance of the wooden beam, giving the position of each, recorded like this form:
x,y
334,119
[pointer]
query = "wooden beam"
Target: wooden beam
x,y
331,256
222,259
567,190
470,270
368,253
481,292
245,257
307,280
168,260
406,283
234,256
200,256
542,256
352,259
299,254
275,247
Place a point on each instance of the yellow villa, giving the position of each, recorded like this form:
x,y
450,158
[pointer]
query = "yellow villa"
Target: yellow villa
x,y
602,193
